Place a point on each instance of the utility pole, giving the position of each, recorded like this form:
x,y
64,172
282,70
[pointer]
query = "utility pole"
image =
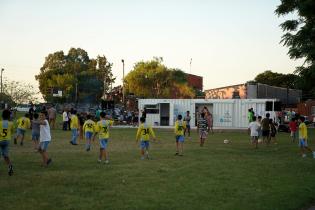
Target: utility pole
x,y
190,66
2,104
123,85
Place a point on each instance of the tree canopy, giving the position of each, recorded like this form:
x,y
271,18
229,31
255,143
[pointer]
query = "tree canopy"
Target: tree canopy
x,y
80,78
277,79
152,79
299,37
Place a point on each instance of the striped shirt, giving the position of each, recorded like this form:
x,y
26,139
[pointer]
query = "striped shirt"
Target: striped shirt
x,y
202,124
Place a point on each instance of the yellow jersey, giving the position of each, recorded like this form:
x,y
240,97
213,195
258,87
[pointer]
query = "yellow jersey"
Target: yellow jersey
x,y
180,126
6,130
23,123
102,128
89,126
74,124
302,131
144,132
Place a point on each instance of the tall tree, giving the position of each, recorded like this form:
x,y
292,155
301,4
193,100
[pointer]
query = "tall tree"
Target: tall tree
x,y
300,38
20,92
152,79
80,78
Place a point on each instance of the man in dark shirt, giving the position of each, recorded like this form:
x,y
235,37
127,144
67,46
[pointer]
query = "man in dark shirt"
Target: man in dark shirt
x,y
265,128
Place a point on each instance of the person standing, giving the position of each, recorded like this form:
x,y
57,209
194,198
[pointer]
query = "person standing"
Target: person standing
x,y
52,114
202,128
265,128
253,129
187,119
44,139
209,119
293,128
74,127
65,120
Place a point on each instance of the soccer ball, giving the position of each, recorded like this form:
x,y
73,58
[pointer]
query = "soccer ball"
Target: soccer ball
x,y
226,141
259,141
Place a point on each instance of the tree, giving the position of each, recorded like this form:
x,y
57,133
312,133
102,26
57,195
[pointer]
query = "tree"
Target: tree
x,y
277,79
300,38
80,78
152,79
20,92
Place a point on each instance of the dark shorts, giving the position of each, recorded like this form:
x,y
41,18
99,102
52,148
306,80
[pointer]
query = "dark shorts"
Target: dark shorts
x,y
265,133
273,134
4,148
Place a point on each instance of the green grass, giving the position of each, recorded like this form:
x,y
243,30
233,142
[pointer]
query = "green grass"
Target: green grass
x,y
218,176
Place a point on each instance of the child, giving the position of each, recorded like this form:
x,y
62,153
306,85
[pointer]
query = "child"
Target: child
x,y
293,128
102,128
143,133
254,128
44,138
23,123
74,125
273,131
187,119
6,130
202,128
35,131
180,126
88,130
303,137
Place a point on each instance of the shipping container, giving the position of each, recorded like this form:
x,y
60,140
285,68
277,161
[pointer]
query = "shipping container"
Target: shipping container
x,y
227,113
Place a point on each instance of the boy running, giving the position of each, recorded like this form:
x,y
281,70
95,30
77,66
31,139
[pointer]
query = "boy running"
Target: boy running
x,y
254,128
102,128
35,131
202,128
143,134
44,138
180,126
6,130
88,130
74,125
23,123
187,119
303,138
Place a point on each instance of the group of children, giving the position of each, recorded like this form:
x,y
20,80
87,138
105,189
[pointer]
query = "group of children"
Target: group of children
x,y
40,135
267,130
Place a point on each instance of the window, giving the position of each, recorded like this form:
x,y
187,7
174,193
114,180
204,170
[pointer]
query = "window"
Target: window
x,y
152,108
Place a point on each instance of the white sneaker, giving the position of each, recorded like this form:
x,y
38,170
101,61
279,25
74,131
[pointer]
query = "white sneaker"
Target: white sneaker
x,y
99,161
313,154
106,162
142,158
304,155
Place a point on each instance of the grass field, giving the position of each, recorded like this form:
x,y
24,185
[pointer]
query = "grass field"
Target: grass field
x,y
218,176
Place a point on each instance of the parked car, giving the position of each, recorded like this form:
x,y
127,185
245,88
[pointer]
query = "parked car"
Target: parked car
x,y
23,108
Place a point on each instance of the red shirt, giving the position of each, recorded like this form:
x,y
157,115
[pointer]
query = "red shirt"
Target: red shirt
x,y
293,126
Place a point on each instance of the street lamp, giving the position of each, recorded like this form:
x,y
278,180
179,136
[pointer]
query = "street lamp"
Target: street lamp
x,y
1,79
123,85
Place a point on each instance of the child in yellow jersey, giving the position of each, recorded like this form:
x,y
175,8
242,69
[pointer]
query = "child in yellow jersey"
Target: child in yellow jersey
x,y
6,130
23,123
88,130
144,132
303,137
180,126
102,129
74,125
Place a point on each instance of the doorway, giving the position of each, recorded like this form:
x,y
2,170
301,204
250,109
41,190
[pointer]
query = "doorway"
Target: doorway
x,y
164,114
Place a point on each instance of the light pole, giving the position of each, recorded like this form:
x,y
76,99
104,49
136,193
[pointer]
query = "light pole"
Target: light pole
x,y
123,85
1,79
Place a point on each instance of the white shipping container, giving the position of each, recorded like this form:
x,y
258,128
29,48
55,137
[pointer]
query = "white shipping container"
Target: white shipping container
x,y
227,113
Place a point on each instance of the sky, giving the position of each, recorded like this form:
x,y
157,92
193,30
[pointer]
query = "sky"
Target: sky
x,y
229,42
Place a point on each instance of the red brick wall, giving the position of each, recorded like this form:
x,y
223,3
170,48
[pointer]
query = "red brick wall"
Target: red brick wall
x,y
195,81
